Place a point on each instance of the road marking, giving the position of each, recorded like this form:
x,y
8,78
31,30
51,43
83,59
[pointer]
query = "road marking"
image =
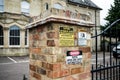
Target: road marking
x,y
23,61
5,63
15,63
12,59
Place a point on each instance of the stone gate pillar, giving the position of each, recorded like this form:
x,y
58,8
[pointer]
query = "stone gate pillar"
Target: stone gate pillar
x,y
60,51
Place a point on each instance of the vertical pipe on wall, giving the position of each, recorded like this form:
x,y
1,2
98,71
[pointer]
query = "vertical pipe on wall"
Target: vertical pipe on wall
x,y
96,43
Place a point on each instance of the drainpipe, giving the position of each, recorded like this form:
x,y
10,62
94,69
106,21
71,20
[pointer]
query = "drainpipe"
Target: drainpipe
x,y
96,42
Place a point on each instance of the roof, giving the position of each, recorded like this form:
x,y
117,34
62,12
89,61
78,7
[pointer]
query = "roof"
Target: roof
x,y
85,3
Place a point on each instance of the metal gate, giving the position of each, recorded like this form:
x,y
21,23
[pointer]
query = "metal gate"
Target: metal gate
x,y
108,69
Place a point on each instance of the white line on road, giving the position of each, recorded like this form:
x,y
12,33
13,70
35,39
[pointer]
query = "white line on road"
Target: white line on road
x,y
14,63
5,63
23,61
12,59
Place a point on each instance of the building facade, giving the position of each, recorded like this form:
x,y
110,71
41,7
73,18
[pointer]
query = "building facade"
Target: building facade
x,y
14,15
60,39
84,11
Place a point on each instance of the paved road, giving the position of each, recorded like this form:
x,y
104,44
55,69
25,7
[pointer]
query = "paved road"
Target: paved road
x,y
100,58
13,68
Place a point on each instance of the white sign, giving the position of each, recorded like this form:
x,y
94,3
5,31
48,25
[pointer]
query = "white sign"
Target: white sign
x,y
82,38
82,35
74,57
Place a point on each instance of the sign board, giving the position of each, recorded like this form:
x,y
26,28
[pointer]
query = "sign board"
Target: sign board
x,y
82,38
66,36
88,36
74,57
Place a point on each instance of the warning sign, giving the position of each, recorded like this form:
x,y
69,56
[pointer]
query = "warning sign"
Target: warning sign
x,y
66,36
74,57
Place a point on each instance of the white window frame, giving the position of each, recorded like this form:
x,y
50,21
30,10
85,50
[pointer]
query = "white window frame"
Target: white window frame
x,y
2,6
27,45
15,36
58,6
25,7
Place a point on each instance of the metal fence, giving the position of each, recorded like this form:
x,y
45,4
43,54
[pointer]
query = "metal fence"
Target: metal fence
x,y
107,72
107,69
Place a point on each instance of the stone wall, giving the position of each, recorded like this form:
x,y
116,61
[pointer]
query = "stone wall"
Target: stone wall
x,y
38,12
12,6
14,51
48,58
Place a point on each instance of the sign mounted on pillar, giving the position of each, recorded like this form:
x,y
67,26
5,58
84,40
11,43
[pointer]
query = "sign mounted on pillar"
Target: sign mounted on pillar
x,y
74,57
82,38
66,36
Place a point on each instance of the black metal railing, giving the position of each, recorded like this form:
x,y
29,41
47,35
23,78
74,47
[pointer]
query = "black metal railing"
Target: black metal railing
x,y
106,73
107,69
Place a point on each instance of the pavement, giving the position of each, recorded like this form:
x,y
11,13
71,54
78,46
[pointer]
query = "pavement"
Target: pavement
x,y
11,60
107,59
14,68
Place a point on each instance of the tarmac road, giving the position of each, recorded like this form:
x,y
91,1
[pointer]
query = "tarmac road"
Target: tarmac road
x,y
14,68
100,58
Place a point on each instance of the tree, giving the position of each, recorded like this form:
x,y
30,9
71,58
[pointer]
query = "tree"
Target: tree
x,y
114,14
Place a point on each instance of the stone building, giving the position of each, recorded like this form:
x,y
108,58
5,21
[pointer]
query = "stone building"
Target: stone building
x,y
14,15
83,11
60,39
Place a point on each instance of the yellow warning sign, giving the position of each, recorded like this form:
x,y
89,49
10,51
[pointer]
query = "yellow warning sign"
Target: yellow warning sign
x,y
66,36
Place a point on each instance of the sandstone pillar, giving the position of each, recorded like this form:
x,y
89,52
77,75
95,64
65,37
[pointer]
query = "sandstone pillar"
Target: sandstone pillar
x,y
60,51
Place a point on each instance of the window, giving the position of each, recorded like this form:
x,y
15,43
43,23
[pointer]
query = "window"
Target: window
x,y
1,5
83,0
1,36
25,7
58,6
14,35
26,37
46,6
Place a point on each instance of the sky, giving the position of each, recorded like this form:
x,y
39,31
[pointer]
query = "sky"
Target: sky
x,y
105,5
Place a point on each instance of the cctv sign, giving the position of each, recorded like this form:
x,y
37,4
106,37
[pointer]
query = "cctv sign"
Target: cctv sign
x,y
82,38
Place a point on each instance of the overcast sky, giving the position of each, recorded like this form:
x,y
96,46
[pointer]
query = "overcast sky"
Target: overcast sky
x,y
105,5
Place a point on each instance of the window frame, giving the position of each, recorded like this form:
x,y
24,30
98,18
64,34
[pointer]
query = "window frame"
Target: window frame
x,y
2,6
23,9
58,6
2,36
9,41
26,38
46,6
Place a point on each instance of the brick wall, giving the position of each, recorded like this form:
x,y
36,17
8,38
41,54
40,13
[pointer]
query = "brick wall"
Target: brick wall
x,y
48,59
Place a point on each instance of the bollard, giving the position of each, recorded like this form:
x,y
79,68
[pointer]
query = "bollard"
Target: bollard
x,y
24,77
